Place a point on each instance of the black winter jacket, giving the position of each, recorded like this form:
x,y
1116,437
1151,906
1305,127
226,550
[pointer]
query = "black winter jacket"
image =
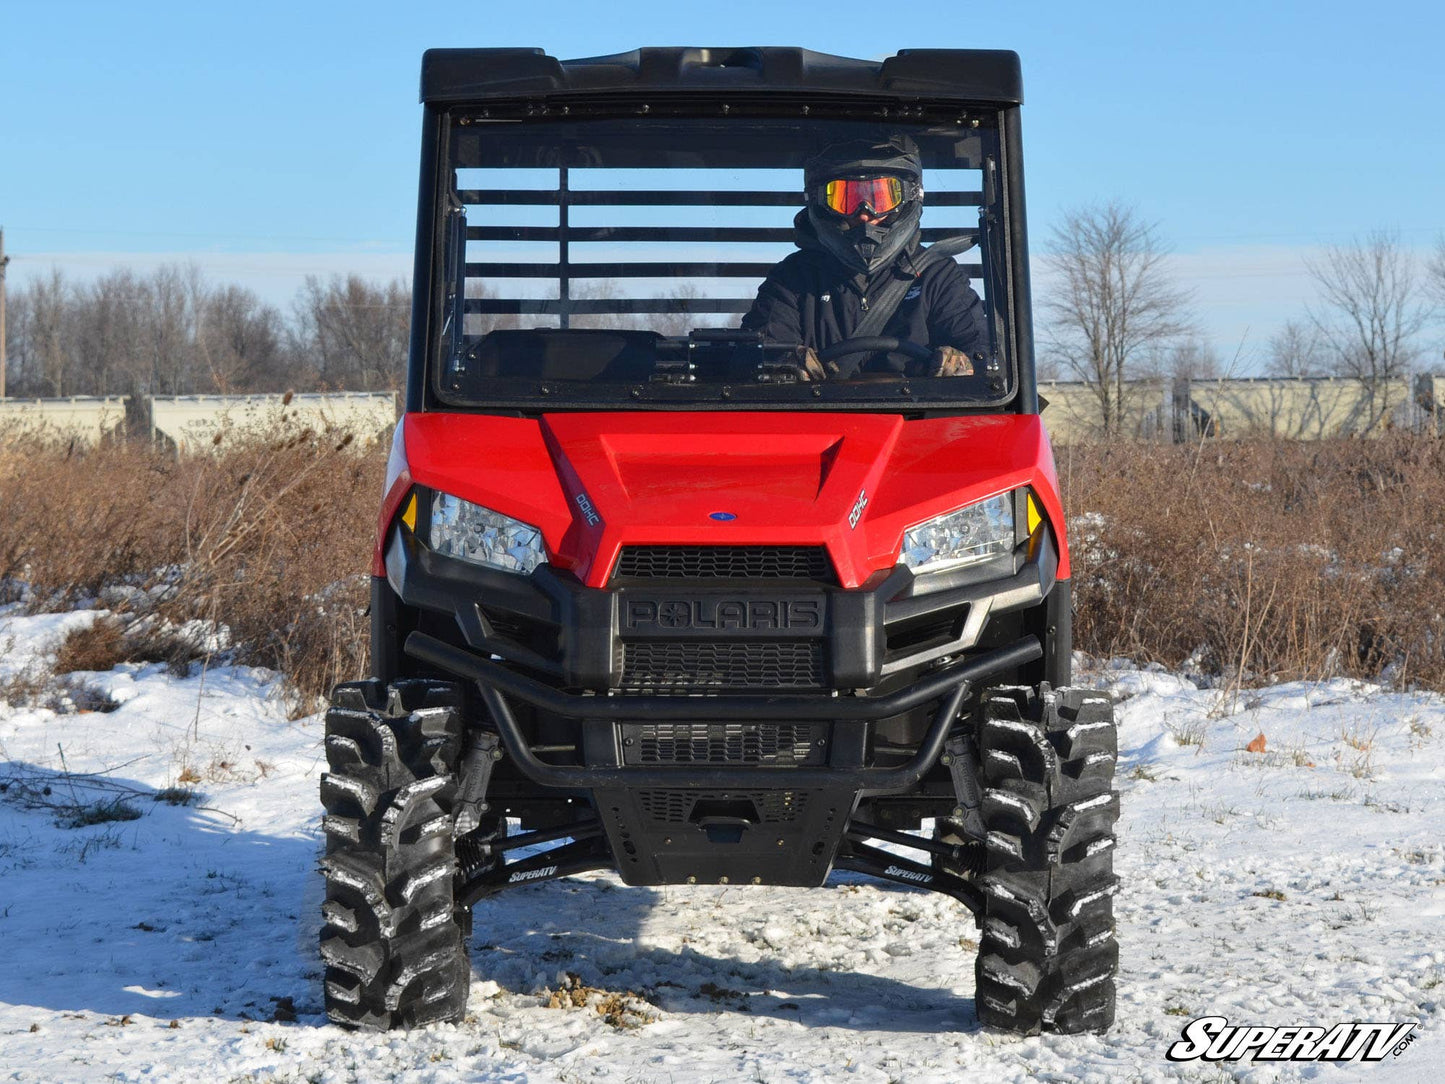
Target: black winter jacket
x,y
810,298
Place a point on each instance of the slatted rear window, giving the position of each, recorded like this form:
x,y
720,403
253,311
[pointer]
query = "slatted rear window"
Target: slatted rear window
x,y
664,226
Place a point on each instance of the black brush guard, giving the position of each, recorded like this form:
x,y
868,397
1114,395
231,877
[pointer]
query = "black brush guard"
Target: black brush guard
x,y
710,823
950,685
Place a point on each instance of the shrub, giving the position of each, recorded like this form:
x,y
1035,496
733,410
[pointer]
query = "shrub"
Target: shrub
x,y
270,537
1262,559
98,646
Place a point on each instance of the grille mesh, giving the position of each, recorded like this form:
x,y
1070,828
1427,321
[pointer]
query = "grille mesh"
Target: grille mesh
x,y
653,665
724,563
676,806
783,744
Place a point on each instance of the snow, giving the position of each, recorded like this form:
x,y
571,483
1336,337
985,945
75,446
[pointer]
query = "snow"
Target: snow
x,y
1301,885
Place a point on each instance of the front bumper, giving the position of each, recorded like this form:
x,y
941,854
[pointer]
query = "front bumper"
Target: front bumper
x,y
550,657
604,717
870,639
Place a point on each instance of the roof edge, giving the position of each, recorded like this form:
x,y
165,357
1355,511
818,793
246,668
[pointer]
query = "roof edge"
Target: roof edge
x,y
474,75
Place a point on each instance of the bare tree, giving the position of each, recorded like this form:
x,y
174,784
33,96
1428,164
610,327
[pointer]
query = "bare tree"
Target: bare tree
x,y
1436,275
353,332
1192,358
1296,350
1369,313
45,329
1113,305
108,317
600,290
23,365
676,322
169,302
242,342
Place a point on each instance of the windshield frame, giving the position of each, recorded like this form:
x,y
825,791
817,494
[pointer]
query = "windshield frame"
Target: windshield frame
x,y
1001,200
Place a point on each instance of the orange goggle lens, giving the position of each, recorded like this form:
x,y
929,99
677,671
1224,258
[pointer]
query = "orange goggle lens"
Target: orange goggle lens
x,y
881,194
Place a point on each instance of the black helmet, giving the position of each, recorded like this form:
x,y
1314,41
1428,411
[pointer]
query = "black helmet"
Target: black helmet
x,y
838,202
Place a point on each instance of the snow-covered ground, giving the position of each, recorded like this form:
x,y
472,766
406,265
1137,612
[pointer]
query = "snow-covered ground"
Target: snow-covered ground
x,y
1300,885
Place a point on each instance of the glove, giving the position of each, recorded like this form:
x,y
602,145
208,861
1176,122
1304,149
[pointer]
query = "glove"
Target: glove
x,y
949,361
808,365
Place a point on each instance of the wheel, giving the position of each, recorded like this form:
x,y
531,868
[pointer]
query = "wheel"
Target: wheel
x,y
391,935
1048,955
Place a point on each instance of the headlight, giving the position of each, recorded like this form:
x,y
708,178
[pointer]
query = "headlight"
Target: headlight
x,y
964,537
473,533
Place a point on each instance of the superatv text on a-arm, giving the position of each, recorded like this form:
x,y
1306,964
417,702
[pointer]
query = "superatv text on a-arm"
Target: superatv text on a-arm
x,y
644,599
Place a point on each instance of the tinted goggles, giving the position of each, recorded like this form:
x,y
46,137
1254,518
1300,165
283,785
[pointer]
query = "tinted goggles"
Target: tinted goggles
x,y
879,195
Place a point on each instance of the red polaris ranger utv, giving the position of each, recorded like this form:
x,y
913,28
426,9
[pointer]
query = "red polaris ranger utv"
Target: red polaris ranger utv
x,y
661,589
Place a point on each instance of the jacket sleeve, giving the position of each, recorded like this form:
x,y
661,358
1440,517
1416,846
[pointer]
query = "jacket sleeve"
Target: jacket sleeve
x,y
956,315
776,311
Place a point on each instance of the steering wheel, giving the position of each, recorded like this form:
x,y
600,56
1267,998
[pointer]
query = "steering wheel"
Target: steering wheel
x,y
872,344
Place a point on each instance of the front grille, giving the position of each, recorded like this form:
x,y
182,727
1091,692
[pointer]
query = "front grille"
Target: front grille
x,y
659,665
781,744
678,806
724,563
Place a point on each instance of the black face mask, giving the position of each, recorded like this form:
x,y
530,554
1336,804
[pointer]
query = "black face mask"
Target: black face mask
x,y
864,248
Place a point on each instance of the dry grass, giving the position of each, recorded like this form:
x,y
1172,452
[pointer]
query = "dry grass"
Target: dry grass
x,y
103,644
269,537
623,1010
1266,560
98,646
1189,733
26,686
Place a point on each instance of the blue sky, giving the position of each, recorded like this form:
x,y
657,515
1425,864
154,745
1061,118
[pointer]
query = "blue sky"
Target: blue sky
x,y
271,140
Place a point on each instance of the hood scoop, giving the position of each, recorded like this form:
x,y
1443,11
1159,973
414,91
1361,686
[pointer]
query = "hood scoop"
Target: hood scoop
x,y
779,472
774,468
715,480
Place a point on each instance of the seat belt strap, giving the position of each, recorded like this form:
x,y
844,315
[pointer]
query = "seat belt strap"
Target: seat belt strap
x,y
887,300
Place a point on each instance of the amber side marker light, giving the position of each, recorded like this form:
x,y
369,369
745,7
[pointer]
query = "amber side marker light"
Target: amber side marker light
x,y
1034,521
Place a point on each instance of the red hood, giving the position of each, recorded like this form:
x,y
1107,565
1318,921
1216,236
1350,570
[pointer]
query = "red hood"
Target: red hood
x,y
595,482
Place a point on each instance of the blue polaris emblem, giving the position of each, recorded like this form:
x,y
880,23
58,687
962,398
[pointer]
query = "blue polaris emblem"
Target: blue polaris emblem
x,y
722,517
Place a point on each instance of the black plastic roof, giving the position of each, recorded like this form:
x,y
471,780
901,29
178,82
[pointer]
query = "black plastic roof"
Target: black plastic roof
x,y
475,75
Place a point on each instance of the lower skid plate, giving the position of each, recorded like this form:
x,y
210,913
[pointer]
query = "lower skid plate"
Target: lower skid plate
x,y
724,836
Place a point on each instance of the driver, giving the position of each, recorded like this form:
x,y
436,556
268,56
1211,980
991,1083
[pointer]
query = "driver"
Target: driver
x,y
858,232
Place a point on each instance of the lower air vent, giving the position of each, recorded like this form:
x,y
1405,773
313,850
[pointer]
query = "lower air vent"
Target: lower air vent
x,y
781,744
669,665
679,806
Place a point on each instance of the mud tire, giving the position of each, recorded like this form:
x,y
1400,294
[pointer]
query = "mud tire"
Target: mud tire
x,y
391,935
1048,955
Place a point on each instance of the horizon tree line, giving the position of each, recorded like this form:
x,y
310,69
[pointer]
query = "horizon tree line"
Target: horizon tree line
x,y
1109,314
173,332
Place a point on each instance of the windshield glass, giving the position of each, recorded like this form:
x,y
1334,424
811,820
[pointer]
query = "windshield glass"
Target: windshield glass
x,y
726,261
